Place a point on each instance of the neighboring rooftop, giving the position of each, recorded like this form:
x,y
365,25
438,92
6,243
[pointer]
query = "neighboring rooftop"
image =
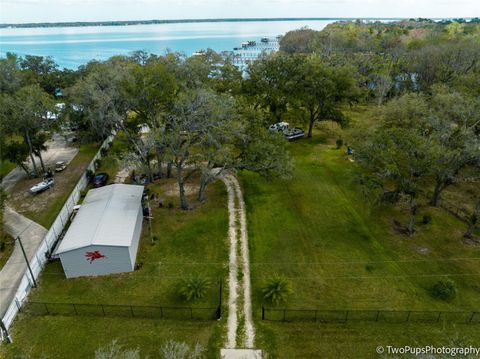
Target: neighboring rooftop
x,y
107,217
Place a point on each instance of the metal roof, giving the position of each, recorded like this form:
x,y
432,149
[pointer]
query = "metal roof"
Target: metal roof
x,y
107,217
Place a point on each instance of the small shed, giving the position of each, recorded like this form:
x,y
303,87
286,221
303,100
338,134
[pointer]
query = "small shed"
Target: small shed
x,y
104,235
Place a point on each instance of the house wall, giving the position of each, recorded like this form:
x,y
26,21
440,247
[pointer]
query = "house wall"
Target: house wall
x,y
75,263
136,237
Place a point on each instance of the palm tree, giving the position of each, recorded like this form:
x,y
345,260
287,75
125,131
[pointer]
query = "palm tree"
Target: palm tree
x,y
277,289
194,288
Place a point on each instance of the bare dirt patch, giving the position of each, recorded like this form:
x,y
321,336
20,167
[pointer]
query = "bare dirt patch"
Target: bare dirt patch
x,y
43,207
172,190
22,200
423,250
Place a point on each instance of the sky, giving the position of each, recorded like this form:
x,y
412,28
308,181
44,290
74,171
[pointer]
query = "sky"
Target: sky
x,y
22,11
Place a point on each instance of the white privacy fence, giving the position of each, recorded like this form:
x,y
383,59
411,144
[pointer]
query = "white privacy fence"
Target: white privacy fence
x,y
38,261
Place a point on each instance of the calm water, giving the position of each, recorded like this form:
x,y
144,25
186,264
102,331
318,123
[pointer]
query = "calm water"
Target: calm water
x,y
74,46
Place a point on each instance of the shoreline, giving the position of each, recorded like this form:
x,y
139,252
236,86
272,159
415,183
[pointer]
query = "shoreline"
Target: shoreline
x,y
180,21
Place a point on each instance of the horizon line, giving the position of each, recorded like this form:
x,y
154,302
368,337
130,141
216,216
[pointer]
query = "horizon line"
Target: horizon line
x,y
192,20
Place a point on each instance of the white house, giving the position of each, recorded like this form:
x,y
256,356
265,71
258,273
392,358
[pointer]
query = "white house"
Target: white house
x,y
104,235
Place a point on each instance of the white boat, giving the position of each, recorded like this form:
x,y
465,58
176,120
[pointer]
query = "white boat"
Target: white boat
x,y
289,133
42,186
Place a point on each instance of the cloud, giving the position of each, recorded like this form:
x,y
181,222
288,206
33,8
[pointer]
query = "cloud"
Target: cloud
x,y
94,10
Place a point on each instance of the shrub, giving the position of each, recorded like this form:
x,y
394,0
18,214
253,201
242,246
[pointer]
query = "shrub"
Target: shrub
x,y
426,219
103,152
180,350
89,175
444,290
98,163
116,351
170,205
194,288
369,267
277,289
339,143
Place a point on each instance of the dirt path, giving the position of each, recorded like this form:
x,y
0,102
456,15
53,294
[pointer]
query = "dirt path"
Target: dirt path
x,y
238,231
232,321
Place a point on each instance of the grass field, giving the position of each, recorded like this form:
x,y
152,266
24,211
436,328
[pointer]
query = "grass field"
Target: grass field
x,y
79,337
359,340
188,243
44,207
340,253
5,167
6,248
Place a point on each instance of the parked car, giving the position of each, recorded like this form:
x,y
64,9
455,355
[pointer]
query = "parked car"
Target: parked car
x,y
42,186
100,179
60,166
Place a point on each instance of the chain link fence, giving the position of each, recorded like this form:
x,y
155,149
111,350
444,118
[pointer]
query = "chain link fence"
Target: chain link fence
x,y
118,310
389,316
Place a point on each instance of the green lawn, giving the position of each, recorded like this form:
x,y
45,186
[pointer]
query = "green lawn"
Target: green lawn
x,y
339,253
43,208
5,167
79,337
359,340
188,243
6,247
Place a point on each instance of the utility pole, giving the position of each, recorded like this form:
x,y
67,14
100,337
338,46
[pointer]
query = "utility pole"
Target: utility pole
x,y
28,263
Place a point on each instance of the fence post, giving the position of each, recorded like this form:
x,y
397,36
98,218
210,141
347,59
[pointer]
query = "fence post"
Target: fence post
x,y
346,316
439,315
315,315
131,310
103,309
378,315
219,308
74,308
17,303
408,316
161,312
263,312
4,330
54,231
46,308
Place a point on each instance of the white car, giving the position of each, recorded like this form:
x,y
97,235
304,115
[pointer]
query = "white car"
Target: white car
x,y
279,127
60,166
42,186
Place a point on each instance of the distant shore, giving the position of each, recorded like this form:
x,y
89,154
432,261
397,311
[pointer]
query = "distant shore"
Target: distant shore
x,y
176,21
